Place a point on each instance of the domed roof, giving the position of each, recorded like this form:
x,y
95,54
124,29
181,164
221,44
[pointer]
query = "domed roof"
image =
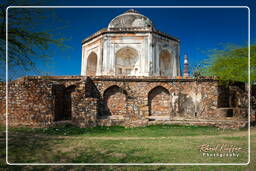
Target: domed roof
x,y
131,20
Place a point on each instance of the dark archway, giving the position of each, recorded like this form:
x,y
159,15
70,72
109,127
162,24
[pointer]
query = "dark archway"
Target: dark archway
x,y
62,102
68,102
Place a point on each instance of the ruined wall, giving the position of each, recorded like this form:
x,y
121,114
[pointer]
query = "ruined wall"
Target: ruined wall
x,y
84,104
2,103
182,98
29,103
138,101
127,101
36,101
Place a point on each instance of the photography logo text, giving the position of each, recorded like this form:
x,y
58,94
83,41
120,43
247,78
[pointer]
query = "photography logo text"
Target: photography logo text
x,y
219,150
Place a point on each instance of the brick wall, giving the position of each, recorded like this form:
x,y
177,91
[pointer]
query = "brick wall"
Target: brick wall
x,y
29,102
128,101
2,103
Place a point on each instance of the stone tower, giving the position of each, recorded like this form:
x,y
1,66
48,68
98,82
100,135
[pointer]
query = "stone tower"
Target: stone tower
x,y
185,72
130,46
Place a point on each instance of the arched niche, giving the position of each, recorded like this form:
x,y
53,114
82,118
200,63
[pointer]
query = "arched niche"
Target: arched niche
x,y
91,64
115,101
165,61
126,61
159,103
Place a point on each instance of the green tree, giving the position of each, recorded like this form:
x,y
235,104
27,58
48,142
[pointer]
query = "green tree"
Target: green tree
x,y
230,64
28,37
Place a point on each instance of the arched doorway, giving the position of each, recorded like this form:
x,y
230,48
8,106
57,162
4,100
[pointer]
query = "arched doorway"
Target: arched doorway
x,y
159,103
91,64
126,61
165,63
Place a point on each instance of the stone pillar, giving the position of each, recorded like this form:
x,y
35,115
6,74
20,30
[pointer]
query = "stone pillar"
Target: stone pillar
x,y
178,60
105,55
150,55
157,60
84,109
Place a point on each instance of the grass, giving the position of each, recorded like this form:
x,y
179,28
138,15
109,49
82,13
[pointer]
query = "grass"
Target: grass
x,y
151,144
117,131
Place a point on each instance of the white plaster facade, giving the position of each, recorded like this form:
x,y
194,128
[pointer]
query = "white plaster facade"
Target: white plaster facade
x,y
130,46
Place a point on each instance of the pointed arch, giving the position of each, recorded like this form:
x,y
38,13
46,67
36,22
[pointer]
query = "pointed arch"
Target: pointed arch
x,y
115,101
91,64
159,102
126,61
165,63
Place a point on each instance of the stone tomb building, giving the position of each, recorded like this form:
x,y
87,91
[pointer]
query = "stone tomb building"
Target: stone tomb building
x,y
130,46
130,76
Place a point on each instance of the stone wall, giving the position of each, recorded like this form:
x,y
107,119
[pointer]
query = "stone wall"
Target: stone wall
x,y
34,101
127,101
2,103
29,102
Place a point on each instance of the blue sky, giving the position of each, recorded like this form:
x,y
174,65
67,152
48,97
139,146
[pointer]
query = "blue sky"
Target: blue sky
x,y
198,29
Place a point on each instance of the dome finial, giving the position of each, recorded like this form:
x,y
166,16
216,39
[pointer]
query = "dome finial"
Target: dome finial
x,y
131,11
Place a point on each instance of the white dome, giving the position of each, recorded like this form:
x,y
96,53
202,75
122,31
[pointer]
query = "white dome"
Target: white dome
x,y
130,20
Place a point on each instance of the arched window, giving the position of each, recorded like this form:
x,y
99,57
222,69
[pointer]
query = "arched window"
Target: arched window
x,y
165,63
126,61
91,64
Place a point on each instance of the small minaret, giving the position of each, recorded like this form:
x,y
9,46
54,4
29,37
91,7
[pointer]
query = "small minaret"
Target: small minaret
x,y
185,72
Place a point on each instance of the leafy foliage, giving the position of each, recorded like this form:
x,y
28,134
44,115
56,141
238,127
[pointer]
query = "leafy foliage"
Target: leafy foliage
x,y
230,64
28,38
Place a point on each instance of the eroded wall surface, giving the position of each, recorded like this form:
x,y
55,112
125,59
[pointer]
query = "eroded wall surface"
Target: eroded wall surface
x,y
127,101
